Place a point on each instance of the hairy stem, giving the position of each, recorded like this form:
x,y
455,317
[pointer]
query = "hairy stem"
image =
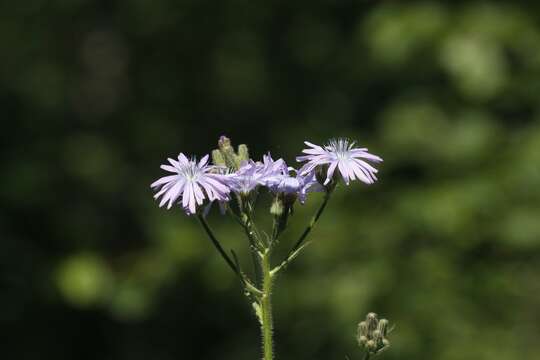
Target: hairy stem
x,y
266,308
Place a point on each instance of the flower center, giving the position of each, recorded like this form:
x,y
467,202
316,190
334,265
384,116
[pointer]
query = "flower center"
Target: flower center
x,y
191,171
339,148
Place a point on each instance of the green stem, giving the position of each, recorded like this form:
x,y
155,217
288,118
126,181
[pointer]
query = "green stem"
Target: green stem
x,y
366,356
253,249
234,267
253,244
217,245
266,308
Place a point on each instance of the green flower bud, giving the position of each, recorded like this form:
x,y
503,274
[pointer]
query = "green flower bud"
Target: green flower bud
x,y
217,158
277,207
227,152
224,143
243,153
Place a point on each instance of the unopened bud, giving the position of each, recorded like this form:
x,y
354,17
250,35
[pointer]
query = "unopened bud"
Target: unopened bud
x,y
277,207
372,334
362,340
243,153
227,152
372,321
217,158
224,143
383,327
362,328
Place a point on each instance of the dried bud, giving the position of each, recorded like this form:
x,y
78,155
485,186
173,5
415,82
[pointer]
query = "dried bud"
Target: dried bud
x,y
376,335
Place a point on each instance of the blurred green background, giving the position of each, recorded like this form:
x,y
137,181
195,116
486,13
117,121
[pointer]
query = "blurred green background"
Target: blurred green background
x,y
96,94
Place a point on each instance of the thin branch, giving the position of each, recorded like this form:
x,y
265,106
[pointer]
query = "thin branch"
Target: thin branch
x,y
217,245
311,224
252,289
253,247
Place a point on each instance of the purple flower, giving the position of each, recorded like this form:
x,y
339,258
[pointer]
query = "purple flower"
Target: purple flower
x,y
192,182
298,185
253,174
246,179
340,154
270,167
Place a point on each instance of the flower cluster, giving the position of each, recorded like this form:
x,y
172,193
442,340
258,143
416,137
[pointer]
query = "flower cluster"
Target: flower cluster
x,y
372,334
233,172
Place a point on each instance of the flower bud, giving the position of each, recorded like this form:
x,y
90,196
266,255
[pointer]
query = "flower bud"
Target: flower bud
x,y
277,207
372,334
372,321
243,153
227,152
362,328
383,327
362,340
224,143
217,158
371,346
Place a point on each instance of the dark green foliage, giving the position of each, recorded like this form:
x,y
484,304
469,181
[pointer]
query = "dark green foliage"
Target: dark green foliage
x,y
96,94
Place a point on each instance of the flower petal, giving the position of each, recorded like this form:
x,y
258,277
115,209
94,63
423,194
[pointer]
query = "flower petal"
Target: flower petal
x,y
330,172
203,161
169,168
163,180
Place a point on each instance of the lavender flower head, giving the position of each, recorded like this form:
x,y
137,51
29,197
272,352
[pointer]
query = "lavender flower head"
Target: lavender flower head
x,y
298,185
253,174
192,182
340,154
246,179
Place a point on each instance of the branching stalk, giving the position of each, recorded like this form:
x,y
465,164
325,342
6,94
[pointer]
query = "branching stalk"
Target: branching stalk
x,y
233,265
